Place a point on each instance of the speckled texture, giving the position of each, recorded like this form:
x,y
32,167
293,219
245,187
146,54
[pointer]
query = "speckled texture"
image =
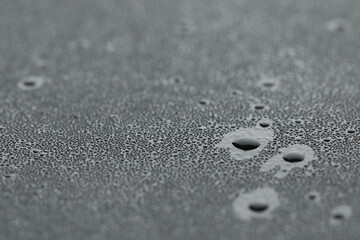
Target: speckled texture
x,y
119,140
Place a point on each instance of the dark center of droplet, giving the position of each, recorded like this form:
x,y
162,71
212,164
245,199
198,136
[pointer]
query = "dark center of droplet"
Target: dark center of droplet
x,y
268,84
264,125
338,216
29,83
294,157
204,102
246,143
259,107
258,207
312,197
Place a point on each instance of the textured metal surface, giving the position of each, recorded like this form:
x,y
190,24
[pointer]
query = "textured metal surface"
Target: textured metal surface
x,y
112,112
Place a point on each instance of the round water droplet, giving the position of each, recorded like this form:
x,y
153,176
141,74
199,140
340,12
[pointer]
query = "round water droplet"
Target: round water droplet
x,y
30,83
246,143
294,157
259,107
258,207
338,25
268,84
351,131
264,124
259,203
204,102
338,216
312,196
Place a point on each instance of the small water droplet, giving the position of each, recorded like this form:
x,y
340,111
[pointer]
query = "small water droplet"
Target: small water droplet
x,y
338,25
351,131
338,216
314,196
30,83
204,102
294,156
340,213
259,203
268,84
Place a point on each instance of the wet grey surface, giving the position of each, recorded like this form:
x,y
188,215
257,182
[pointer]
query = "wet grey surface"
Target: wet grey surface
x,y
111,112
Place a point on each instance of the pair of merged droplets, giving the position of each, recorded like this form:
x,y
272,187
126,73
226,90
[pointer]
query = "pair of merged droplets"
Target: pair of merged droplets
x,y
248,144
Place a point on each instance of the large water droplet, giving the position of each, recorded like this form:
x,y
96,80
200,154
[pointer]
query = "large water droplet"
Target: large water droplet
x,y
351,131
259,107
258,207
264,124
294,157
246,143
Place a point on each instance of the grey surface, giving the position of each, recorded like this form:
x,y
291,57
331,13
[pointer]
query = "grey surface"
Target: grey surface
x,y
120,154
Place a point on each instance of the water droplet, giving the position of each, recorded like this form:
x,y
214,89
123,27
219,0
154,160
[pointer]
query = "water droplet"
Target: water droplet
x,y
259,203
268,84
238,150
294,157
339,214
258,207
204,102
264,124
293,154
259,107
314,196
178,79
30,83
338,25
351,131
246,143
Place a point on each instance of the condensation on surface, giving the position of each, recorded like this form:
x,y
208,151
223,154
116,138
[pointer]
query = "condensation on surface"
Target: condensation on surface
x,y
263,135
269,83
284,167
31,83
339,214
338,25
314,196
262,196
